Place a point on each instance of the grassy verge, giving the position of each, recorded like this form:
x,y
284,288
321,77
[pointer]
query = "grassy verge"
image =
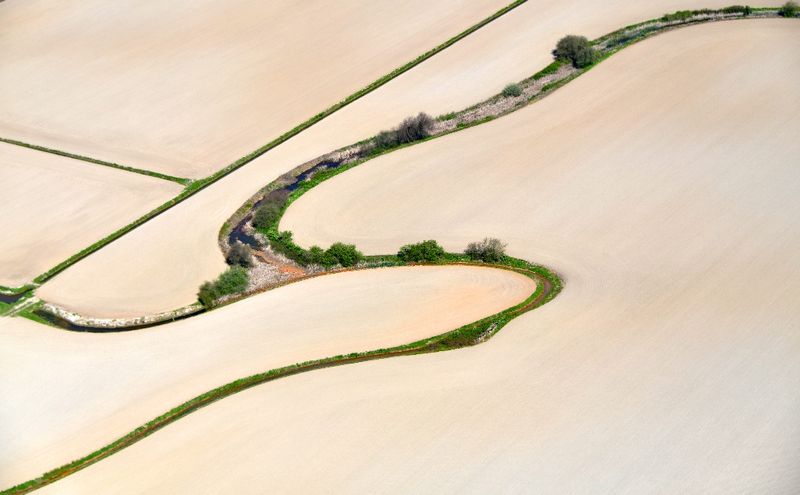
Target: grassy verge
x,y
198,185
180,180
548,285
13,291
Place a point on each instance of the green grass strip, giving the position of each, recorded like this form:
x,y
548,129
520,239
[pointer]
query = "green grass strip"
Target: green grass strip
x,y
198,185
547,287
158,175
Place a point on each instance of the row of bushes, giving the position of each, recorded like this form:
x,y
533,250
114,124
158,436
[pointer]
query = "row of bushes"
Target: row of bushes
x,y
489,250
338,253
789,9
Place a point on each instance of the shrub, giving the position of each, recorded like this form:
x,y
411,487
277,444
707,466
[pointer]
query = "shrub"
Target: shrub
x,y
410,130
489,249
231,281
318,256
415,128
239,255
512,90
422,251
344,254
266,215
576,49
789,9
738,9
282,243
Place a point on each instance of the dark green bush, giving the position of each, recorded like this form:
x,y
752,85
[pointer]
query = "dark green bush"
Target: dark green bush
x,y
489,250
232,281
789,9
318,256
239,255
266,215
429,251
575,49
512,90
344,254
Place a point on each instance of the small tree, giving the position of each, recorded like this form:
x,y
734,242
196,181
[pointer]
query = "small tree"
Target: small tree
x,y
789,9
512,90
489,249
239,255
345,254
429,251
415,128
576,49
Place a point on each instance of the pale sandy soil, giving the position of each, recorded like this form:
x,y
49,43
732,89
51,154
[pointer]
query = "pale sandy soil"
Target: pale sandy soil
x,y
664,186
66,394
166,275
186,87
52,207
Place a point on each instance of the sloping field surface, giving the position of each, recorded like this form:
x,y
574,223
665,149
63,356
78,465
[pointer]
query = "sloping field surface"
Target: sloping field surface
x,y
162,278
186,87
98,387
55,206
663,185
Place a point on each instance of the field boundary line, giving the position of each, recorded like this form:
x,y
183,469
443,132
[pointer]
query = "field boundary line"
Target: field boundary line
x,y
198,185
150,173
548,285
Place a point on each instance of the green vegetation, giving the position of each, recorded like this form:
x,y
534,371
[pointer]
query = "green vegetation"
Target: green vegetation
x,y
680,15
266,215
575,49
738,9
512,90
490,250
150,173
318,256
426,251
789,9
550,69
232,281
239,255
345,254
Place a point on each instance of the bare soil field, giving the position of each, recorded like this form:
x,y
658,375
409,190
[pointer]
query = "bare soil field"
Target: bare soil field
x,y
99,386
166,275
663,186
187,87
55,206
